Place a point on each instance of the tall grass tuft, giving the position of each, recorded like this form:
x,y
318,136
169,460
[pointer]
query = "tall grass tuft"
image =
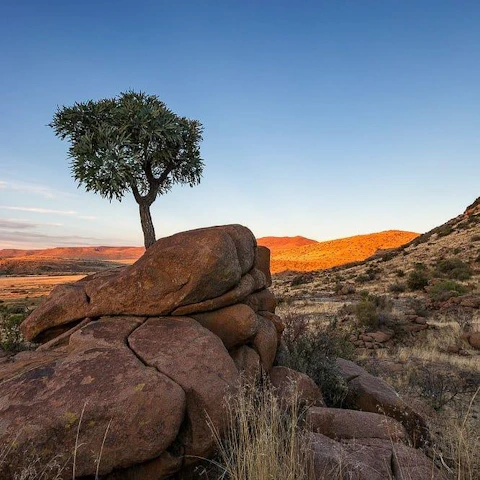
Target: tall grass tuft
x,y
263,440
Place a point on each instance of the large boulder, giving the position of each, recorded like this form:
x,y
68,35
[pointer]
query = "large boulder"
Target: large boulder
x,y
369,459
128,386
344,424
235,325
293,387
99,384
372,394
186,268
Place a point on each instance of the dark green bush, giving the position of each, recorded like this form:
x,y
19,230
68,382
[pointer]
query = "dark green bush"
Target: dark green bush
x,y
10,320
444,231
314,353
366,313
417,279
397,287
446,289
453,268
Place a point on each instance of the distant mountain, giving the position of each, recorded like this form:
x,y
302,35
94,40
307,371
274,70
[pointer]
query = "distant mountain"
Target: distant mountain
x,y
65,260
287,253
277,244
89,253
312,255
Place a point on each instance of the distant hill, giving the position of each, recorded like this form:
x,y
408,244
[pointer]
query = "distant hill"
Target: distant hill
x,y
88,253
65,260
277,244
312,255
287,253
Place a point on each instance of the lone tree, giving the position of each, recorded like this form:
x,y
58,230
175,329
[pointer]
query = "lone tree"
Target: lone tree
x,y
132,142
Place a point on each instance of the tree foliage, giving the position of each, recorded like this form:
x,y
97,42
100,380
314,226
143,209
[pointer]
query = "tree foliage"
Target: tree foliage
x,y
132,142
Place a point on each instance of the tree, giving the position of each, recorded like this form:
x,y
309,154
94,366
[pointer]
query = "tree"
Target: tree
x,y
132,142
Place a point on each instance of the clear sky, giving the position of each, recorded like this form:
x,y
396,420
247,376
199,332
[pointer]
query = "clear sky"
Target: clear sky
x,y
322,118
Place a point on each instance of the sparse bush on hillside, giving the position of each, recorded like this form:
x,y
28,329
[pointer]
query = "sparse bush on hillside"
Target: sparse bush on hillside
x,y
366,313
373,311
446,289
314,352
453,268
301,279
418,307
475,238
400,273
397,287
444,230
344,288
438,387
417,279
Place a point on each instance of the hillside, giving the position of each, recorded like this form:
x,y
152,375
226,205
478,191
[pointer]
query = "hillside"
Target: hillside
x,y
88,253
311,255
279,244
65,260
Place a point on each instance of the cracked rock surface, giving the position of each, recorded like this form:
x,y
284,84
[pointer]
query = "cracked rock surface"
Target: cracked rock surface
x,y
136,392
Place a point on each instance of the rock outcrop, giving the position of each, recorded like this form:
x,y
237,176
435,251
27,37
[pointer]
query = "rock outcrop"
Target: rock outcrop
x,y
137,364
136,388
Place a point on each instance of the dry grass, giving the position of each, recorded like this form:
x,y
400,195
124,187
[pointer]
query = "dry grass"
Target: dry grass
x,y
459,444
263,441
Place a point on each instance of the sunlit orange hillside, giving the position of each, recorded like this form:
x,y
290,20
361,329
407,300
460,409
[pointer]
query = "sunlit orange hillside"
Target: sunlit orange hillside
x,y
90,253
320,255
278,244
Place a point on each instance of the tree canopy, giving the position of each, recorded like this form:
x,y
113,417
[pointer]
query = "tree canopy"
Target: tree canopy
x,y
132,142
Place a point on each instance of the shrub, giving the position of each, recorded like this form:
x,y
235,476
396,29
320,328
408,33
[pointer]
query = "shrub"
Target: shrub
x,y
400,273
475,238
366,313
314,353
10,320
444,230
446,289
397,287
301,279
440,387
453,268
417,279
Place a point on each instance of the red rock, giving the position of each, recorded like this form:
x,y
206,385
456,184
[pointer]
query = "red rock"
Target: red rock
x,y
265,343
292,386
411,464
380,336
262,263
371,394
474,340
247,362
196,359
276,321
416,328
421,320
184,269
368,460
235,325
42,404
250,282
338,423
263,300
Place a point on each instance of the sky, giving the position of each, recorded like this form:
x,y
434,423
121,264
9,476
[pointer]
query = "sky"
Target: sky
x,y
322,118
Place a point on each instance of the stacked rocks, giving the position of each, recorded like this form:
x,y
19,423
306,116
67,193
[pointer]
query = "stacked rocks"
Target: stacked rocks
x,y
136,366
148,352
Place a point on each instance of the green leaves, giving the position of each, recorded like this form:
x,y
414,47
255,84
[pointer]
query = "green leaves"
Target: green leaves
x,y
130,142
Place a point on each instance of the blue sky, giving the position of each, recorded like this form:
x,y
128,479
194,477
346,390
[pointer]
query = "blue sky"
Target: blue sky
x,y
324,119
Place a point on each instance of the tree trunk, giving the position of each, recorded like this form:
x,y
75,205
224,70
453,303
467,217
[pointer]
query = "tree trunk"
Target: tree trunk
x,y
147,225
